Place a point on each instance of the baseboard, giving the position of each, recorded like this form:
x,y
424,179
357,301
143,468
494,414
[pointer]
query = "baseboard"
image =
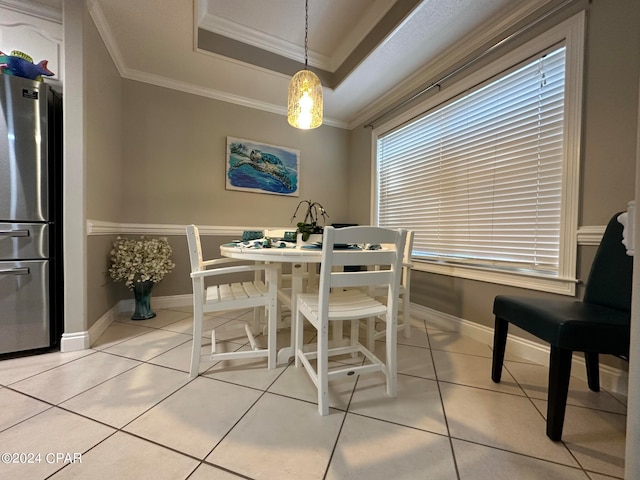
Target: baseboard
x,y
171,301
101,325
127,306
73,342
611,379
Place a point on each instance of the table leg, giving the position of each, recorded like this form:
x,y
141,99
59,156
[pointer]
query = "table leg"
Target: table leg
x,y
297,273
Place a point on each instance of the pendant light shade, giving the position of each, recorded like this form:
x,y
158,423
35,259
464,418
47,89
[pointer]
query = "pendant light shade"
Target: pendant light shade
x,y
304,102
304,105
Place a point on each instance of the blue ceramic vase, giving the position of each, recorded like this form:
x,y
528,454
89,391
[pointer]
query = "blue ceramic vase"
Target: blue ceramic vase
x,y
142,296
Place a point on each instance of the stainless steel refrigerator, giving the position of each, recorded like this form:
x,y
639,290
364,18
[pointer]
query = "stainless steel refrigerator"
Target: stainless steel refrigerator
x,y
30,216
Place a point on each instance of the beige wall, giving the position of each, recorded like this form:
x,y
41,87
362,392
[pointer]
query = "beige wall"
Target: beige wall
x,y
174,148
608,164
103,128
610,113
103,157
360,180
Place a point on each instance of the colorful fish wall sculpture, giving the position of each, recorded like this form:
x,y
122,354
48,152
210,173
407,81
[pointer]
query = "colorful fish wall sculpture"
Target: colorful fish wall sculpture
x,y
21,65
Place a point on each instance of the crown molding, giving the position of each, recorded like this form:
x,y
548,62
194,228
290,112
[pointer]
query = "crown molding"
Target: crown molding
x,y
100,21
263,41
294,51
33,9
186,87
192,88
455,55
137,75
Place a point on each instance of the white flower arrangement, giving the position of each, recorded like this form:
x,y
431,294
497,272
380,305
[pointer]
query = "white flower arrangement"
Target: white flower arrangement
x,y
140,260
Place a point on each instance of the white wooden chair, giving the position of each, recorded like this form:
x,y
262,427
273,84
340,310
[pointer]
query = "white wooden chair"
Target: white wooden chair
x,y
342,297
230,296
404,292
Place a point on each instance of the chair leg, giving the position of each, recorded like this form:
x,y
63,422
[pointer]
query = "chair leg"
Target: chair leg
x,y
371,331
323,366
197,344
392,355
257,321
337,330
499,344
354,337
559,375
272,320
297,331
593,370
406,315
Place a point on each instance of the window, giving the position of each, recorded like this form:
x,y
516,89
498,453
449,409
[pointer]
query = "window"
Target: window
x,y
485,172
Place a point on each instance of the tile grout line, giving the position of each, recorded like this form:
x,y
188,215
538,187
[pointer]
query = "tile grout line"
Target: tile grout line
x,y
444,411
84,452
264,392
344,419
8,385
571,454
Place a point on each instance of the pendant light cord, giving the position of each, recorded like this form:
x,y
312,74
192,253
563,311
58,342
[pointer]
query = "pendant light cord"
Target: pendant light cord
x,y
306,31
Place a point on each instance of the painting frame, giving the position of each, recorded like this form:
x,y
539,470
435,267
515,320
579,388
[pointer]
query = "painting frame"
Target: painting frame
x,y
259,167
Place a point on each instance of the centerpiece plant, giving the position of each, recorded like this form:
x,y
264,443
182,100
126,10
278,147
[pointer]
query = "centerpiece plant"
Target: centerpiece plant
x,y
309,225
140,263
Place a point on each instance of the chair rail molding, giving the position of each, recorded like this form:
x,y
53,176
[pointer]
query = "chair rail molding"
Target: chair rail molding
x,y
99,227
586,235
590,234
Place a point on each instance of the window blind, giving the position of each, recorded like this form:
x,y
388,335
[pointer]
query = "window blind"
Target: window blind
x,y
479,178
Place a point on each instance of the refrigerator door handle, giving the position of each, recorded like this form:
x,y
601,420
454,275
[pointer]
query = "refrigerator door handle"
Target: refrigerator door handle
x,y
16,271
15,233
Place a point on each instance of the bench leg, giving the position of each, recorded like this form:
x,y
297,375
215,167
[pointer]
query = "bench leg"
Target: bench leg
x,y
499,345
559,374
593,371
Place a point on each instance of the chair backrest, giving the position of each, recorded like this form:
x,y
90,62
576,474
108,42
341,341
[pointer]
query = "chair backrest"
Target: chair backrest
x,y
195,255
408,247
215,269
609,282
408,250
195,250
391,257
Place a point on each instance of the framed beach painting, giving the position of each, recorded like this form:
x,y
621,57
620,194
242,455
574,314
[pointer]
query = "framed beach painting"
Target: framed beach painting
x,y
262,168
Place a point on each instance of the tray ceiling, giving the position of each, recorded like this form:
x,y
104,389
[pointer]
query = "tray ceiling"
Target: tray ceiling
x,y
368,53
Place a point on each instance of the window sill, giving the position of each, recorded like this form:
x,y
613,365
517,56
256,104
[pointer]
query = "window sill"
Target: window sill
x,y
562,286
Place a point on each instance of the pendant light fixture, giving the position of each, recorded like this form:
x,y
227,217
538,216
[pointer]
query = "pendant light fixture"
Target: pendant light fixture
x,y
304,105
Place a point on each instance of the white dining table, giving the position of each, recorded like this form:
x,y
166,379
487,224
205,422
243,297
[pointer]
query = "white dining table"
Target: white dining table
x,y
298,257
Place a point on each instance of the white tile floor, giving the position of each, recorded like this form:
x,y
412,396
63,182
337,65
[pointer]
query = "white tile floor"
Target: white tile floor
x,y
126,410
